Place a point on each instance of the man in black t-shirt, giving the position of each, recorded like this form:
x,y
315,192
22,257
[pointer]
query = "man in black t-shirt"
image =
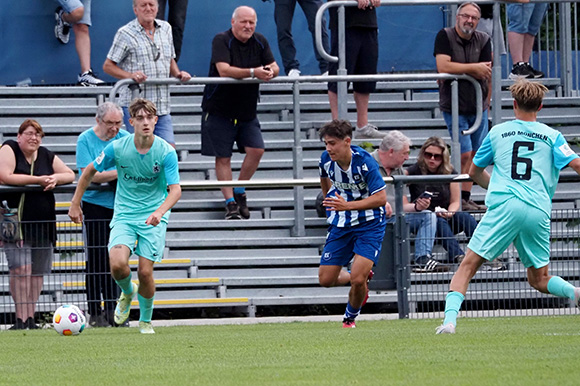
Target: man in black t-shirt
x,y
229,110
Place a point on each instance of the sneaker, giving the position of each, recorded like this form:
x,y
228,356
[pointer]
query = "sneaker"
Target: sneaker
x,y
89,79
459,259
470,205
124,305
369,278
577,297
98,321
325,73
19,325
348,323
30,325
521,70
242,201
431,265
496,265
62,28
368,131
233,211
146,328
537,74
449,328
294,73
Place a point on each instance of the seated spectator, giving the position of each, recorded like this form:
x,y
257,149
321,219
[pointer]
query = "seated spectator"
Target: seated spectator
x,y
25,162
392,153
434,159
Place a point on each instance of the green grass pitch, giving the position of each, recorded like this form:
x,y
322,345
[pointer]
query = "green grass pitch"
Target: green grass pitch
x,y
485,351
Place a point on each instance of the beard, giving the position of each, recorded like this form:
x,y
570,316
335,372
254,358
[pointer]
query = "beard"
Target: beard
x,y
467,29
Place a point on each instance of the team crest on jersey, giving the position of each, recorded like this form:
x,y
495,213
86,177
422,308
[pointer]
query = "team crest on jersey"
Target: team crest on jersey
x,y
356,177
156,167
365,168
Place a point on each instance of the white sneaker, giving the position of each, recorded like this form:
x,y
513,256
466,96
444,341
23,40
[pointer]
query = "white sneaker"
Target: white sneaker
x,y
62,28
577,297
89,79
325,73
294,73
146,328
368,131
449,328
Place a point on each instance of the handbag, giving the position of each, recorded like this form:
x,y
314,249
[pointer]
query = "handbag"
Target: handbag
x,y
10,225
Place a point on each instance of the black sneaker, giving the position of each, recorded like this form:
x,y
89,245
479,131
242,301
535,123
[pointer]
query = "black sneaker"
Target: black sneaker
x,y
521,70
19,325
30,324
99,321
537,74
61,28
242,201
431,265
232,211
89,79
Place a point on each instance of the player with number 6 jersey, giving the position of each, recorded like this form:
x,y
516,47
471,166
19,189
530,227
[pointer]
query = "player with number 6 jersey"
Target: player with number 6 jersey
x,y
527,157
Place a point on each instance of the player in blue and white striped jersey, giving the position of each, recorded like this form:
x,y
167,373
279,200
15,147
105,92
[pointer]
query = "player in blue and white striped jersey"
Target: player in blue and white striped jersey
x,y
355,199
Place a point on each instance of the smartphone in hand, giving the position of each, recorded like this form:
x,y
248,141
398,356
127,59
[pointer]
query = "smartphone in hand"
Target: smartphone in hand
x,y
426,194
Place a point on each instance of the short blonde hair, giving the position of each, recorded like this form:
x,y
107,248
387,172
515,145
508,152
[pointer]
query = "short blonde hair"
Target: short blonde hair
x,y
528,95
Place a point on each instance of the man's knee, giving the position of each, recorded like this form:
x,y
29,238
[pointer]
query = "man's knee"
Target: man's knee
x,y
75,15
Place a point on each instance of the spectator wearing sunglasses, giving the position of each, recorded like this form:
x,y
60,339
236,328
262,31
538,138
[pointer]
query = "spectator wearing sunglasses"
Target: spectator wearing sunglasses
x,y
433,159
143,49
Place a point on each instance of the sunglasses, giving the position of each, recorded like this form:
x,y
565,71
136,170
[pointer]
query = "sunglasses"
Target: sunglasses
x,y
436,157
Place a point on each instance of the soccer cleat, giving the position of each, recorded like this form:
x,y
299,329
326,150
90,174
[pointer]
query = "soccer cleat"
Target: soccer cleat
x,y
521,70
62,28
124,305
89,79
146,328
368,131
348,323
242,201
431,265
233,211
449,328
369,278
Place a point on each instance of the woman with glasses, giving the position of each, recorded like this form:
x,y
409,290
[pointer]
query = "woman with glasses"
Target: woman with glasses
x,y
25,162
433,159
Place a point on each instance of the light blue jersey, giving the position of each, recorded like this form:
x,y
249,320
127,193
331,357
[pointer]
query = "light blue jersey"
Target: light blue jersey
x,y
89,146
527,158
361,180
142,178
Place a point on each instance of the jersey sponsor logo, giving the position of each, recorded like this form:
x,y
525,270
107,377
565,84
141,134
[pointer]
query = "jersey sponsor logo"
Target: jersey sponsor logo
x,y
565,149
139,179
100,158
350,186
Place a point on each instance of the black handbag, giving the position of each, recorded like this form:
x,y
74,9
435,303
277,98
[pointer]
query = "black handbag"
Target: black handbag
x,y
10,224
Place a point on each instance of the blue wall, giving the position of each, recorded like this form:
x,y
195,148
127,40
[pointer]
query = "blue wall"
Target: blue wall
x,y
30,49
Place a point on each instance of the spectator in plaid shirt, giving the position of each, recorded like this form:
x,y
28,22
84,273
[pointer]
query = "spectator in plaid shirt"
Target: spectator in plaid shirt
x,y
142,49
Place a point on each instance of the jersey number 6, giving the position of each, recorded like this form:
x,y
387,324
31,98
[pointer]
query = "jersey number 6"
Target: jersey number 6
x,y
527,174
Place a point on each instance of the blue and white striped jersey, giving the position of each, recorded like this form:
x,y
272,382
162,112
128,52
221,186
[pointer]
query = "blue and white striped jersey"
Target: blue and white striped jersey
x,y
361,180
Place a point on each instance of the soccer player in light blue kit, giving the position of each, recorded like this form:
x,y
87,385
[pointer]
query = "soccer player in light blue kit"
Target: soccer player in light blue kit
x,y
146,167
355,199
527,157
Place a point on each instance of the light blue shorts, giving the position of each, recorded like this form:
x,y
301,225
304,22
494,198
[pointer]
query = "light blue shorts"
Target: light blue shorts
x,y
468,142
163,127
514,221
71,5
144,240
526,18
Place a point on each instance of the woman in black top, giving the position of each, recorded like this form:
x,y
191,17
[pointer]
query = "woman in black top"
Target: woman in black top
x,y
434,159
25,162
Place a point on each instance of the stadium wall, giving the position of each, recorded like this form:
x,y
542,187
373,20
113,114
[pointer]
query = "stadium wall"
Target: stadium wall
x,y
31,51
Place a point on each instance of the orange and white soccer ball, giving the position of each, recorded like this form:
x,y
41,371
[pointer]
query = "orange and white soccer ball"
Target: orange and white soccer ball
x,y
69,320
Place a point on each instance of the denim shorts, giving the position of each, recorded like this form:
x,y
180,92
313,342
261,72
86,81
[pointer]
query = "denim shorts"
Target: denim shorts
x,y
70,5
163,127
38,254
526,18
468,142
218,135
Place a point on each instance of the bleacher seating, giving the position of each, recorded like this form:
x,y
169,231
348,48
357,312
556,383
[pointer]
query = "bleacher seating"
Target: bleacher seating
x,y
211,262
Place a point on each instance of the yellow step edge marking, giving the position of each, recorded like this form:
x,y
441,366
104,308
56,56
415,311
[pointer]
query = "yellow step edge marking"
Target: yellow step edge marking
x,y
67,224
165,261
196,301
62,205
69,244
70,284
68,264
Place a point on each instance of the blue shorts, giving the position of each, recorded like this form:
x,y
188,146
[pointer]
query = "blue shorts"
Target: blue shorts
x,y
514,221
342,244
468,142
70,5
163,127
526,18
218,135
144,240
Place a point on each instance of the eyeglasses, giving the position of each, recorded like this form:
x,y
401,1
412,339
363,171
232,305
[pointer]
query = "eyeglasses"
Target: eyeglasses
x,y
113,123
468,17
156,52
31,134
436,157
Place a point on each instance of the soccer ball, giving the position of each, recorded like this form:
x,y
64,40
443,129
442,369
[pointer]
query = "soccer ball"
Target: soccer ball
x,y
69,320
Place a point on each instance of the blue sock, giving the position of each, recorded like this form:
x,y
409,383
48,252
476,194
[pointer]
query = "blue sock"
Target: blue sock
x,y
560,287
125,285
240,190
351,312
145,308
453,302
230,200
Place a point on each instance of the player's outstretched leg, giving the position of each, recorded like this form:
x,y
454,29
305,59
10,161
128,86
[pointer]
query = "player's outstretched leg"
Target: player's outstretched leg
x,y
124,303
453,302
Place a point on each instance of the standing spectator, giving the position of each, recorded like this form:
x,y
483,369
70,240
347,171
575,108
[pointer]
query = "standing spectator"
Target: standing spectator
x,y
25,162
283,14
392,153
176,18
524,24
362,56
527,157
433,159
355,197
98,210
463,50
229,111
142,207
486,25
141,49
78,14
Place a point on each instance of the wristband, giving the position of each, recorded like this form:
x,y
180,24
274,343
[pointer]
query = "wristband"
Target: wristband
x,y
416,210
252,73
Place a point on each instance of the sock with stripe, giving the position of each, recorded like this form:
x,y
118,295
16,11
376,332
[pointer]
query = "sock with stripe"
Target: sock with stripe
x,y
351,312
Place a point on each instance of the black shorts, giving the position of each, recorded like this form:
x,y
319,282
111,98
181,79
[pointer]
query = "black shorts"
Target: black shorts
x,y
218,135
362,56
